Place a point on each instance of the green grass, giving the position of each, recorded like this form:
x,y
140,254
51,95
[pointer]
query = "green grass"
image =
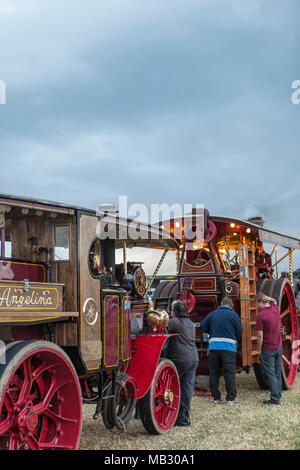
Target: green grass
x,y
250,425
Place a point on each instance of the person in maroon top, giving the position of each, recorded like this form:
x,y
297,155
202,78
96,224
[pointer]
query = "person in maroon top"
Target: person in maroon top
x,y
270,345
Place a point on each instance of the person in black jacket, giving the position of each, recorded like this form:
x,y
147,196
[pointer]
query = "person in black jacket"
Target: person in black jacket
x,y
224,328
182,351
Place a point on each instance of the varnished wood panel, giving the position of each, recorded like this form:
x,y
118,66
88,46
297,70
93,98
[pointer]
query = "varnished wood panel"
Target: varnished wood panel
x,y
66,333
37,297
65,271
22,228
90,309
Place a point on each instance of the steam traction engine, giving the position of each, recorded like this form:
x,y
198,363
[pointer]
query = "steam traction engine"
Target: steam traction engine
x,y
73,330
228,258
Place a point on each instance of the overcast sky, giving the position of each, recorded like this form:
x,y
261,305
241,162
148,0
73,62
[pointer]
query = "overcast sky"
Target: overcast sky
x,y
185,101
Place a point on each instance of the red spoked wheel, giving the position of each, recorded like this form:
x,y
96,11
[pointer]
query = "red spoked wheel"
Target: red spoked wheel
x,y
282,291
159,408
40,399
290,334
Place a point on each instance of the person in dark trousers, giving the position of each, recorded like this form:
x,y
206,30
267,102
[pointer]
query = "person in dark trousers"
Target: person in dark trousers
x,y
270,345
225,329
182,351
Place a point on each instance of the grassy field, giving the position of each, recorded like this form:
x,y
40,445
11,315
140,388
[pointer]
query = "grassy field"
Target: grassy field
x,y
250,425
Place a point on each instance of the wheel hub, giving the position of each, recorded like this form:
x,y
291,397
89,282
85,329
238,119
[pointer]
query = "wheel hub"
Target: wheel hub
x,y
31,421
27,419
168,397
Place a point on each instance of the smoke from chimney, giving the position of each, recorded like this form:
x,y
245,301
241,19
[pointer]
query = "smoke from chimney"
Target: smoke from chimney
x,y
256,220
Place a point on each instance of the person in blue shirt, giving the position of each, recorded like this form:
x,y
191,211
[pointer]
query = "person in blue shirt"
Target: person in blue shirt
x,y
225,329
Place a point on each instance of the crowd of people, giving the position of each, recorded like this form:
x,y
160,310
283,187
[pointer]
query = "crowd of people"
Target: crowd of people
x,y
224,330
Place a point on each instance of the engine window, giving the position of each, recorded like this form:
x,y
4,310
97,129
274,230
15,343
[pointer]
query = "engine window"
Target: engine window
x,y
62,243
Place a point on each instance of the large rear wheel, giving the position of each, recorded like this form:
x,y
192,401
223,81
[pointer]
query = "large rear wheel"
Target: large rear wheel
x,y
165,293
40,398
282,291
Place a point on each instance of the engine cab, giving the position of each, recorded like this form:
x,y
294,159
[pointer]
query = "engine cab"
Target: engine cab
x,y
227,257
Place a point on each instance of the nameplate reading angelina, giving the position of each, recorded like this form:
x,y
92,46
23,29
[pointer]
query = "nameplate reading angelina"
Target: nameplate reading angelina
x,y
44,298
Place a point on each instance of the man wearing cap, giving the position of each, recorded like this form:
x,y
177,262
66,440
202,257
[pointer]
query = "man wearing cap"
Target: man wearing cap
x,y
270,345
